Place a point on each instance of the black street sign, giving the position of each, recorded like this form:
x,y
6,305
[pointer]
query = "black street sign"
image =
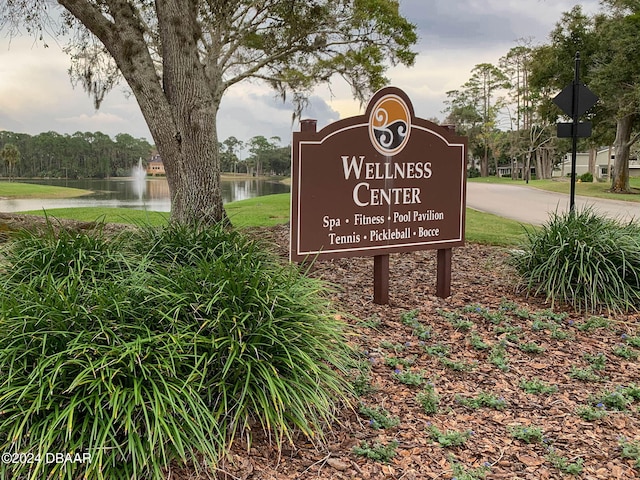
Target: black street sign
x,y
586,100
574,100
565,130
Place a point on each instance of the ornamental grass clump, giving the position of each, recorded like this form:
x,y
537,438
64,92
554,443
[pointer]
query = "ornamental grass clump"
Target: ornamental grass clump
x,y
156,347
583,259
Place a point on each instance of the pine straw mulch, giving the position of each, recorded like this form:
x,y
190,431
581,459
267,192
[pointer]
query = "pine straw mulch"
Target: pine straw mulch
x,y
483,293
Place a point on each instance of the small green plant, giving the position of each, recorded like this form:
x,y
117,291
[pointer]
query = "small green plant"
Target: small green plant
x,y
526,434
558,333
476,341
591,413
507,328
379,418
457,320
515,309
522,313
483,399
393,362
396,347
624,351
539,325
493,317
584,374
372,322
362,384
531,347
361,374
549,314
563,464
631,449
410,318
422,332
437,350
508,305
462,324
593,323
509,332
537,387
429,399
633,392
472,308
597,362
498,357
450,438
457,365
634,341
377,452
450,316
586,177
408,377
460,472
613,399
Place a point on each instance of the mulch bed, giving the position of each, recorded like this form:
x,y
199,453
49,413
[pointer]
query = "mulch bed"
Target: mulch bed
x,y
483,291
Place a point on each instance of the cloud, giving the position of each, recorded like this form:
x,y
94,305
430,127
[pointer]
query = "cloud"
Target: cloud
x,y
251,110
36,94
478,24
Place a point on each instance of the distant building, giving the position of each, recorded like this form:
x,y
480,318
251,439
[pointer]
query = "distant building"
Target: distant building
x,y
602,164
582,164
155,166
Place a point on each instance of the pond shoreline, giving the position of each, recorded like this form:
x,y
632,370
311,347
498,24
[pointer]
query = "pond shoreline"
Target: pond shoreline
x,y
151,193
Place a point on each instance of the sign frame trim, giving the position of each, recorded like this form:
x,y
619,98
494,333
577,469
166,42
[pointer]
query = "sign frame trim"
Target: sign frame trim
x,y
405,246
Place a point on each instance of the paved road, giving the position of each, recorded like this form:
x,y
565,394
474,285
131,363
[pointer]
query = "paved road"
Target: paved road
x,y
532,205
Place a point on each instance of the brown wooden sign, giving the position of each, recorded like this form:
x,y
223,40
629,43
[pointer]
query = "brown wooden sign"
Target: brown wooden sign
x,y
375,184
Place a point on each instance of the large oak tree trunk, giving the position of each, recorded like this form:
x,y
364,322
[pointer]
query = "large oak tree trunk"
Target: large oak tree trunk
x,y
620,183
191,152
180,107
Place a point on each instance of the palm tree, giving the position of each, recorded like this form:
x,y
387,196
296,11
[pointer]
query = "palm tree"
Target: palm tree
x,y
11,156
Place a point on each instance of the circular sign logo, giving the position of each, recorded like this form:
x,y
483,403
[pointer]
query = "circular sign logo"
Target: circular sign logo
x,y
389,125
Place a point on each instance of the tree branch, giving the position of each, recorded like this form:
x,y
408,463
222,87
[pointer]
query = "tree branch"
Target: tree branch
x,y
90,16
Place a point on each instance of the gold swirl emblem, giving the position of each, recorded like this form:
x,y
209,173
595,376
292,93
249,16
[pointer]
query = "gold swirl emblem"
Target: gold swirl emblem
x,y
389,125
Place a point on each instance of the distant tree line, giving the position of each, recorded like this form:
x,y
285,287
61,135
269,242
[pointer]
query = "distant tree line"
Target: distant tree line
x,y
263,156
96,155
81,155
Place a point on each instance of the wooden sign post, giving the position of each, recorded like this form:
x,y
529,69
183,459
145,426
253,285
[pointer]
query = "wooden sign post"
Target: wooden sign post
x,y
379,183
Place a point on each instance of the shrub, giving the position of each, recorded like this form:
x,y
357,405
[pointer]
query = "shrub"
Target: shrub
x,y
158,346
586,177
473,172
584,259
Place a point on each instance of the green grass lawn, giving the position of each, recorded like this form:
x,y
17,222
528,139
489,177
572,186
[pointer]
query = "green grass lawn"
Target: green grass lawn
x,y
105,215
262,211
563,185
32,190
272,210
491,229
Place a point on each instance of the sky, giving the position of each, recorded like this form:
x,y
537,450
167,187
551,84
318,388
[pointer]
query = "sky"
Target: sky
x,y
36,94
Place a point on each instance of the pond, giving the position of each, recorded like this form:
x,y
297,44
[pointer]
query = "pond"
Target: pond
x,y
139,193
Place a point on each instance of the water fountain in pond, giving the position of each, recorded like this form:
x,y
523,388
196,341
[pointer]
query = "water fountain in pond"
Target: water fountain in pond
x,y
139,175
